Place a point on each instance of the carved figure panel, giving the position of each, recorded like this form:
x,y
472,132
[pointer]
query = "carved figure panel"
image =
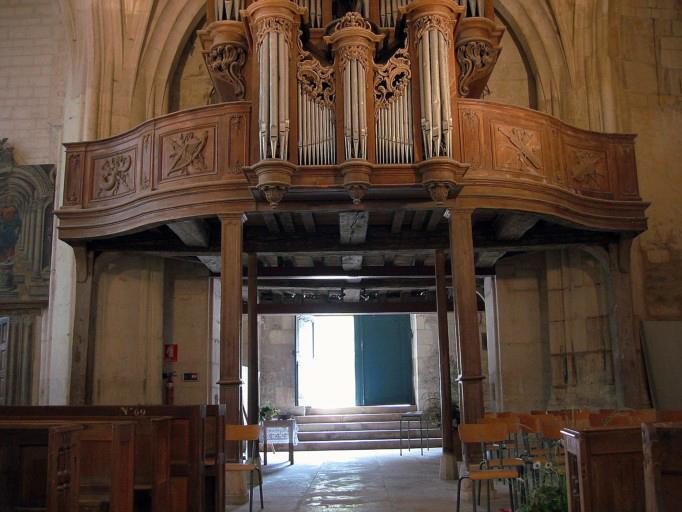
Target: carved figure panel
x,y
237,146
471,138
188,153
113,176
517,149
588,169
73,180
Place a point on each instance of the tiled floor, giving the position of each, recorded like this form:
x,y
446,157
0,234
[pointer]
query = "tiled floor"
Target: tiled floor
x,y
366,481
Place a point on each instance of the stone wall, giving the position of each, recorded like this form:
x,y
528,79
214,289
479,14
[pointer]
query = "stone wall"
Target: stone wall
x,y
277,337
32,49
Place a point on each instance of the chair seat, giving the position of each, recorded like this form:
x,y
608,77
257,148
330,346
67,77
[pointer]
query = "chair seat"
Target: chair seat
x,y
506,462
493,474
235,466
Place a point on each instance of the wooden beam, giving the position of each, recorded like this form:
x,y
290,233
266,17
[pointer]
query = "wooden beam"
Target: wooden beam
x,y
287,222
488,259
418,220
351,262
353,227
397,223
466,304
252,306
192,232
449,466
347,308
212,263
308,221
434,220
230,323
271,222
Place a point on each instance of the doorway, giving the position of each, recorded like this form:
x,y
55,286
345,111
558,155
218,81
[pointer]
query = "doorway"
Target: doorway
x,y
325,360
343,361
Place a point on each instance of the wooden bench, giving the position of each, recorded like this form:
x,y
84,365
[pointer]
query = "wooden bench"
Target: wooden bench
x,y
196,453
604,469
39,466
106,452
662,446
152,445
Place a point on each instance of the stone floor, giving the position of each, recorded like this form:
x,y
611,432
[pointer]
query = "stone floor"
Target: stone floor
x,y
366,481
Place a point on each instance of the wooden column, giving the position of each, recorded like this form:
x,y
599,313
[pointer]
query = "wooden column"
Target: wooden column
x,y
448,465
230,319
252,303
628,371
470,378
83,350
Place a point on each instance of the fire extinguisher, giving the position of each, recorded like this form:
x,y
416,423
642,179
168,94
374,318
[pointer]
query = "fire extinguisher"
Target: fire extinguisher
x,y
170,393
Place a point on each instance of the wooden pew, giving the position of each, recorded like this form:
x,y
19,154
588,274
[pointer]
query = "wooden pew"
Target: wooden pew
x,y
662,445
39,466
106,462
196,447
604,469
151,447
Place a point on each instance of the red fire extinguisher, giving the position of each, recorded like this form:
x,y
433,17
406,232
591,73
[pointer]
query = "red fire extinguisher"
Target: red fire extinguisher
x,y
170,394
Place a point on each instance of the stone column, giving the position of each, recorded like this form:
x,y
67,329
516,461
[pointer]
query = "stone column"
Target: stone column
x,y
448,462
470,378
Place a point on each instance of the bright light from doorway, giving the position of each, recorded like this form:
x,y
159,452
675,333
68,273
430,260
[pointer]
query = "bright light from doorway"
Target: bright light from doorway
x,y
327,376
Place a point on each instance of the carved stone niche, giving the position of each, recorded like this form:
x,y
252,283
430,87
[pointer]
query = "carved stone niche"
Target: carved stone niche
x,y
477,50
440,176
225,53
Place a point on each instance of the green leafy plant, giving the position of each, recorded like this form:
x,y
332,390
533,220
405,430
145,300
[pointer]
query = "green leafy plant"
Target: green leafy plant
x,y
267,412
548,497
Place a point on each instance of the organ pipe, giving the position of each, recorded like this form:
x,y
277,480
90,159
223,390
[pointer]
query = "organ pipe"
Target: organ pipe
x,y
228,9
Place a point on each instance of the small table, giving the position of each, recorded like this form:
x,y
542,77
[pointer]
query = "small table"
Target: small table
x,y
407,417
279,424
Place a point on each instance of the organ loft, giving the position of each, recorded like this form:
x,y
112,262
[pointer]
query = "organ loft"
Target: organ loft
x,y
348,160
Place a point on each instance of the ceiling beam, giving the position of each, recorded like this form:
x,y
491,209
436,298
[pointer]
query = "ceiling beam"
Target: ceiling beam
x,y
434,220
513,226
271,222
397,222
348,308
353,227
192,232
287,222
418,220
308,221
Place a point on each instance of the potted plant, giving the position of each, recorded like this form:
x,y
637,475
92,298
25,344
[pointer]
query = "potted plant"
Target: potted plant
x,y
267,412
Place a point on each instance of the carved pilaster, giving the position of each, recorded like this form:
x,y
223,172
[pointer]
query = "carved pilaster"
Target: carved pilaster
x,y
478,47
225,54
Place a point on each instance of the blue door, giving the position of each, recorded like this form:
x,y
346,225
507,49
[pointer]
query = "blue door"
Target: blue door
x,y
383,360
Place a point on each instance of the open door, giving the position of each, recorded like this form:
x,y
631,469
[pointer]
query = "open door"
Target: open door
x,y
383,360
305,355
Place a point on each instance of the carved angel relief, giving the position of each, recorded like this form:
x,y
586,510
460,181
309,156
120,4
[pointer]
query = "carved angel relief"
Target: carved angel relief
x,y
519,149
391,79
476,60
588,169
226,62
187,155
113,177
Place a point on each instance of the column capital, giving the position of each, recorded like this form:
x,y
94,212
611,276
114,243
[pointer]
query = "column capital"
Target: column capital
x,y
232,217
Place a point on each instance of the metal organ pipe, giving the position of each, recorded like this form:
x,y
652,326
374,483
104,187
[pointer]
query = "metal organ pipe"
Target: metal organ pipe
x,y
228,9
436,121
273,67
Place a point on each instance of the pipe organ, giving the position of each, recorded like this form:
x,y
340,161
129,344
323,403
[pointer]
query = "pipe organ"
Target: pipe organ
x,y
316,116
351,83
394,139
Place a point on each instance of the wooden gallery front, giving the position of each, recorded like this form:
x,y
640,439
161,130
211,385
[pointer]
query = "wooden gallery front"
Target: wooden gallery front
x,y
350,167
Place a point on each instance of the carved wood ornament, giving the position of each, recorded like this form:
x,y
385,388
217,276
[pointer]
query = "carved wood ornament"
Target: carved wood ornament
x,y
187,154
391,79
113,176
476,61
226,62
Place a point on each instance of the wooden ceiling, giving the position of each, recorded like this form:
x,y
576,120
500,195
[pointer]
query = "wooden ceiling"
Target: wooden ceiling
x,y
347,261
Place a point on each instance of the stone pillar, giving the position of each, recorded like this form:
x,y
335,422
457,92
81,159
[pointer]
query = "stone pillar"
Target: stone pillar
x,y
470,378
252,303
82,351
448,462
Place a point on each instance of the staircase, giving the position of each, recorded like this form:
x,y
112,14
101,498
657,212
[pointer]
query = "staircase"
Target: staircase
x,y
359,428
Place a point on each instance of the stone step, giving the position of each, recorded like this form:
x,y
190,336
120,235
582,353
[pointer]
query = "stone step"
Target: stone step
x,y
374,444
345,418
360,409
339,435
354,425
